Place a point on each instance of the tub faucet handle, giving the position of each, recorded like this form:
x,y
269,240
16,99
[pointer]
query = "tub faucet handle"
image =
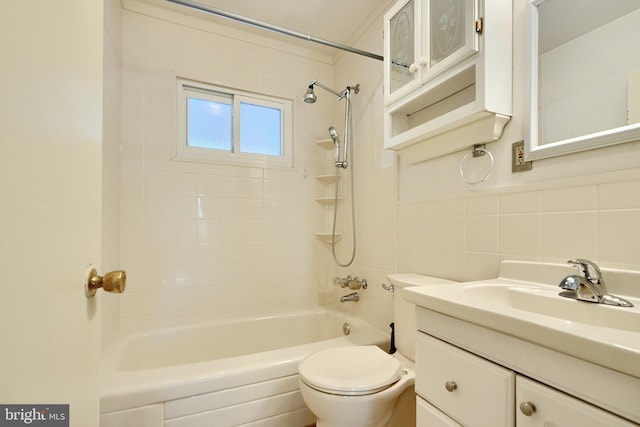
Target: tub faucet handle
x,y
343,282
355,283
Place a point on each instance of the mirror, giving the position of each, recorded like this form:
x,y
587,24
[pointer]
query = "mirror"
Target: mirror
x,y
583,75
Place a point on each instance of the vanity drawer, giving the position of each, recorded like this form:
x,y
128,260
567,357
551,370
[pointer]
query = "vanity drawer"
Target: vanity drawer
x,y
468,388
549,407
429,416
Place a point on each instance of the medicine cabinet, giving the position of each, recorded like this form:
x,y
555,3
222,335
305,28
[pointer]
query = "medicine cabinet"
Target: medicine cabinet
x,y
583,76
447,75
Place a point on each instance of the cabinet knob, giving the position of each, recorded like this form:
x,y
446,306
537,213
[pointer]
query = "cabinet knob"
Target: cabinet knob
x,y
527,408
422,61
451,386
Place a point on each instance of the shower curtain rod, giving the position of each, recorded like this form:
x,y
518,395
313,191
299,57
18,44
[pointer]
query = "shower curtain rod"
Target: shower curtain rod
x,y
264,25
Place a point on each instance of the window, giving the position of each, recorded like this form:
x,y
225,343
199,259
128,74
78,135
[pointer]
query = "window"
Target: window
x,y
231,126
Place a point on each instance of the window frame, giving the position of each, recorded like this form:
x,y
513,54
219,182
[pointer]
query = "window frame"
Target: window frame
x,y
183,151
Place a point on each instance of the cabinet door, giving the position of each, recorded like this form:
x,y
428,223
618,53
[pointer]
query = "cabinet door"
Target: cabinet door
x,y
401,47
541,406
428,416
448,34
468,388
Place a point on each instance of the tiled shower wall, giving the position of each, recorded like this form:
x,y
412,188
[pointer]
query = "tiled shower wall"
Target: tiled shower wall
x,y
202,240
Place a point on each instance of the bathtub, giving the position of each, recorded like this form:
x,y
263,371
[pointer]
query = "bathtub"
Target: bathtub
x,y
225,373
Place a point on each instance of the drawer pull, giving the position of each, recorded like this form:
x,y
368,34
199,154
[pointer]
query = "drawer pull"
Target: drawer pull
x,y
527,408
450,386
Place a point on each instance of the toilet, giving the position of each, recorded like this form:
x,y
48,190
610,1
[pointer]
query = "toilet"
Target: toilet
x,y
358,386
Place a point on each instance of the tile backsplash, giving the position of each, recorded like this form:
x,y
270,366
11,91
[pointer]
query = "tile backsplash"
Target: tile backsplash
x,y
465,238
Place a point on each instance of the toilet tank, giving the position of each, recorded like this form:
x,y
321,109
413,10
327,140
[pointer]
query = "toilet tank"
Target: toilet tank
x,y
404,313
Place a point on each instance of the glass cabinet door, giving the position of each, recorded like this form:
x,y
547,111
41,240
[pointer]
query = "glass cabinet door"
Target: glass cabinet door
x,y
448,32
401,47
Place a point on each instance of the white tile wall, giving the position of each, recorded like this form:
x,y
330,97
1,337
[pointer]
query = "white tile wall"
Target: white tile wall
x,y
205,240
598,222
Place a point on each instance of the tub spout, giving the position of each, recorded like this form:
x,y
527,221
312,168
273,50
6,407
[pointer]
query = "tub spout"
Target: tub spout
x,y
350,297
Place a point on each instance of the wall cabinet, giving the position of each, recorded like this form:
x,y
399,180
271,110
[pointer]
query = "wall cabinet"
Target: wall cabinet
x,y
447,74
456,387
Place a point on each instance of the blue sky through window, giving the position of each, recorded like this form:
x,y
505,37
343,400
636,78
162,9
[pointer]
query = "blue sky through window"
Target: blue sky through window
x,y
209,124
260,130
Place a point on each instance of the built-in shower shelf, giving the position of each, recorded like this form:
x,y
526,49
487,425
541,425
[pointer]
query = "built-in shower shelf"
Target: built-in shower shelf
x,y
327,179
326,237
325,183
327,200
325,143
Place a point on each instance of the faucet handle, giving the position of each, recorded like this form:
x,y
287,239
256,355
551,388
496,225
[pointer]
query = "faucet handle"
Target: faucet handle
x,y
355,284
584,265
343,282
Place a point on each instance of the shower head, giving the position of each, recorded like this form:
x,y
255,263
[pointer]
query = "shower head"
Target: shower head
x,y
310,97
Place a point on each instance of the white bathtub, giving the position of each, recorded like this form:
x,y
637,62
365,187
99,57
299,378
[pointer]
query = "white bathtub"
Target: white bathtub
x,y
225,373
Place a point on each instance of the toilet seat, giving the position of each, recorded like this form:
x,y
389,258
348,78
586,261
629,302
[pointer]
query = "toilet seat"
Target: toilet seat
x,y
350,371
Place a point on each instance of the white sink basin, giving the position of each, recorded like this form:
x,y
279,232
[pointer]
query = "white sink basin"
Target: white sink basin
x,y
544,300
605,335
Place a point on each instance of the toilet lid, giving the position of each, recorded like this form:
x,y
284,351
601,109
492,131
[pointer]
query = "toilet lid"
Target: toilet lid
x,y
354,370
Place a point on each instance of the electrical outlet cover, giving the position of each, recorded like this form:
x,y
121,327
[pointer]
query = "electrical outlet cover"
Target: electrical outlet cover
x,y
518,162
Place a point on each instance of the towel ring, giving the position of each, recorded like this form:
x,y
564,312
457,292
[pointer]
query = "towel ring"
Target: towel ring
x,y
476,151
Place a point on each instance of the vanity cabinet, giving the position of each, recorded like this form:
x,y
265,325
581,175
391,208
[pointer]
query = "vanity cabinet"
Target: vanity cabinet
x,y
457,387
447,74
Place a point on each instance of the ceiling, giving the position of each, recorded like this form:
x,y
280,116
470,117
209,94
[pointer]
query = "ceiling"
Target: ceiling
x,y
334,20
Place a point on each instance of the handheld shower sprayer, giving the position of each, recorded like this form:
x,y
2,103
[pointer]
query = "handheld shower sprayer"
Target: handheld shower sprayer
x,y
336,143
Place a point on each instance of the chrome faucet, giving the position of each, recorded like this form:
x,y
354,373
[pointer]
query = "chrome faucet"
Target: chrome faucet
x,y
354,297
589,285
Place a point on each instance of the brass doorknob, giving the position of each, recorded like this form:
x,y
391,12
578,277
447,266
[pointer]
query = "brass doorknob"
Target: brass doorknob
x,y
114,281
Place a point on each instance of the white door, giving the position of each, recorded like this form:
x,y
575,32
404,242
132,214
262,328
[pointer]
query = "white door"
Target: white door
x,y
50,203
